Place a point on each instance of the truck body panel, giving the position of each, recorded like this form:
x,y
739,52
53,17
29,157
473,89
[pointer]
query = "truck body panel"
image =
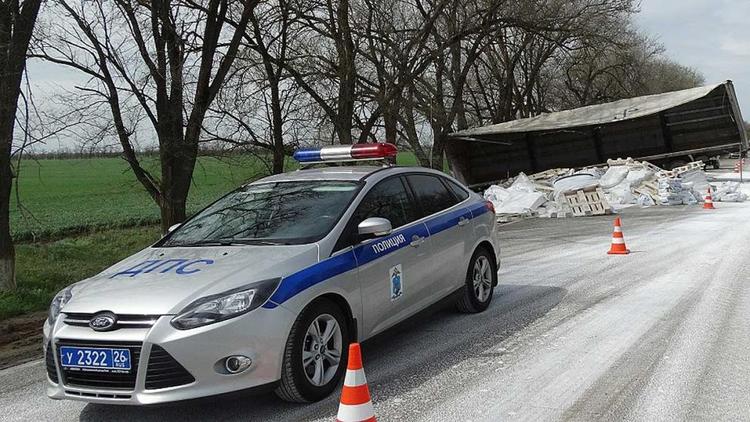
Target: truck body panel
x,y
682,126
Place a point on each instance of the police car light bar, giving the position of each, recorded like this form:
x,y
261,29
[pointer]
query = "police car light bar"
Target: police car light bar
x,y
375,151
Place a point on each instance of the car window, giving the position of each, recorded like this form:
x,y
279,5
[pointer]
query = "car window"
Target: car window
x,y
388,199
285,212
457,190
432,193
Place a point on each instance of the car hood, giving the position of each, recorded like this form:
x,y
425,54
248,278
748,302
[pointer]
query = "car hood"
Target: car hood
x,y
162,281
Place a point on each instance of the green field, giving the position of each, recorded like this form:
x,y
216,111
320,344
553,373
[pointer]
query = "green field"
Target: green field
x,y
81,216
64,196
44,268
60,197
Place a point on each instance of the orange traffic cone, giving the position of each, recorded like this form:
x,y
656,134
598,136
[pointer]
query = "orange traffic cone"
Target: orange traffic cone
x,y
709,202
355,405
738,165
618,242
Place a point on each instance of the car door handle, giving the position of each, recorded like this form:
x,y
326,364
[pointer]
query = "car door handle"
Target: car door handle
x,y
463,221
416,241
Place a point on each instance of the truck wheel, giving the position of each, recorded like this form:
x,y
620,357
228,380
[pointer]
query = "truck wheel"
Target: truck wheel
x,y
481,279
705,159
677,163
316,353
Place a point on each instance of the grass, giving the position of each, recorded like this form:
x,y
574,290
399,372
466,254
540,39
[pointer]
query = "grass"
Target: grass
x,y
64,196
60,197
99,214
43,269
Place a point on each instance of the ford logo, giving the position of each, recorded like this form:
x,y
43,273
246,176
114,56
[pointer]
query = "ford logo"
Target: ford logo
x,y
104,321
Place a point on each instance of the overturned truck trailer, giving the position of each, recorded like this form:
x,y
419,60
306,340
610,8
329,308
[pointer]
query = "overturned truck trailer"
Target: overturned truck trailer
x,y
667,129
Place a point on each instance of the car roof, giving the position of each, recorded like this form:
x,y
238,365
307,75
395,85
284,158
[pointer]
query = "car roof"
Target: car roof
x,y
344,173
354,173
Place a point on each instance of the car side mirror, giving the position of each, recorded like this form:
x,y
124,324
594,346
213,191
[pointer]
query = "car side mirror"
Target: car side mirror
x,y
374,227
172,227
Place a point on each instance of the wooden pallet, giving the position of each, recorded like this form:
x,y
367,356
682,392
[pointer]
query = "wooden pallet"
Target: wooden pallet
x,y
589,201
549,174
621,162
634,163
652,167
675,172
648,187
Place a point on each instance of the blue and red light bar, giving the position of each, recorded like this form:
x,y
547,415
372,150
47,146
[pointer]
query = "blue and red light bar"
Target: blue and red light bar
x,y
374,151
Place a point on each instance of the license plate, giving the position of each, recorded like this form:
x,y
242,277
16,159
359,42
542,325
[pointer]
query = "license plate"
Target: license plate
x,y
89,358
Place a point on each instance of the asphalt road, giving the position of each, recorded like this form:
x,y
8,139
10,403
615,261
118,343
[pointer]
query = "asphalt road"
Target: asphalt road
x,y
572,334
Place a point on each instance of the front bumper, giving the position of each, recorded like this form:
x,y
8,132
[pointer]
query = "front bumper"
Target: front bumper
x,y
260,335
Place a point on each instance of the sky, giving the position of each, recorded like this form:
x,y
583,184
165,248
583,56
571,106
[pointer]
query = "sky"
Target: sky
x,y
712,36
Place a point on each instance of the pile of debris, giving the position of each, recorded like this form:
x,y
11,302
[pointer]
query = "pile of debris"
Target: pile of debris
x,y
622,183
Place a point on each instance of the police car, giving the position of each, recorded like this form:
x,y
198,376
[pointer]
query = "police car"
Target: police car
x,y
266,287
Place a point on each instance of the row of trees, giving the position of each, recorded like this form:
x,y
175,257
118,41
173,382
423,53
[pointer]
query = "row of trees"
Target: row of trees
x,y
268,76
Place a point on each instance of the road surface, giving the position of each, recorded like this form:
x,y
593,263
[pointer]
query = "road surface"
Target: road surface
x,y
572,334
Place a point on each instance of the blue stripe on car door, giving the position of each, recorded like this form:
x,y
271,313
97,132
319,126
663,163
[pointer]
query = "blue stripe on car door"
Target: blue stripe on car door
x,y
330,267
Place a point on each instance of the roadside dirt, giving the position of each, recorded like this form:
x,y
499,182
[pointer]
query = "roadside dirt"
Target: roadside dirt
x,y
21,339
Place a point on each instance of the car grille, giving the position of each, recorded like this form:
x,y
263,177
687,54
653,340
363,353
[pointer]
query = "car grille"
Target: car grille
x,y
49,358
123,321
108,380
164,371
98,395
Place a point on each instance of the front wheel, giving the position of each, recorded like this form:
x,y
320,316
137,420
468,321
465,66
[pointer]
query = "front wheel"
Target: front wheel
x,y
316,353
481,279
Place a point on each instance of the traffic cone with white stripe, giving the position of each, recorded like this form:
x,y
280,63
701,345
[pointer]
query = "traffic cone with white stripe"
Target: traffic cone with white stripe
x,y
708,204
355,405
618,242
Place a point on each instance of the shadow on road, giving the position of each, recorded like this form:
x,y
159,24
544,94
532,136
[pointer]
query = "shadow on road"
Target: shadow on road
x,y
396,362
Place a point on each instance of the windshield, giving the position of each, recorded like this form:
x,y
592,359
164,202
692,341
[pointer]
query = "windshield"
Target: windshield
x,y
270,213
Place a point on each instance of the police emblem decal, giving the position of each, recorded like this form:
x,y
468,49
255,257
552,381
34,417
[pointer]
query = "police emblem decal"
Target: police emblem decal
x,y
396,276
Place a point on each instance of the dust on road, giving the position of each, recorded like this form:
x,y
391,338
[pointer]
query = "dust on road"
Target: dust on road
x,y
572,334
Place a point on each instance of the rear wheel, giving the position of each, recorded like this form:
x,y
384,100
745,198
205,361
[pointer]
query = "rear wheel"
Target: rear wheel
x,y
677,163
481,279
315,354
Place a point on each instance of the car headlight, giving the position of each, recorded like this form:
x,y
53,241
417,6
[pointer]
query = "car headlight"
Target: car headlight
x,y
57,304
223,306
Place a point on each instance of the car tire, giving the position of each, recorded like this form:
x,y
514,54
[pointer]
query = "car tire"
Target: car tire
x,y
295,385
475,299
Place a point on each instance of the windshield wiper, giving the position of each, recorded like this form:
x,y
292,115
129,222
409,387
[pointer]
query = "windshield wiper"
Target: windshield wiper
x,y
265,242
228,242
208,242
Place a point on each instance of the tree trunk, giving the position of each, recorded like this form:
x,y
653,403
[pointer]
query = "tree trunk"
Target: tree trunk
x,y
177,163
390,120
175,188
16,26
7,250
438,150
410,127
437,154
347,74
278,126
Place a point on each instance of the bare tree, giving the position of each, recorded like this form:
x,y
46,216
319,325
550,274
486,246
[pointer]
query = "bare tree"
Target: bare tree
x,y
339,71
168,58
257,110
329,79
17,20
394,53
